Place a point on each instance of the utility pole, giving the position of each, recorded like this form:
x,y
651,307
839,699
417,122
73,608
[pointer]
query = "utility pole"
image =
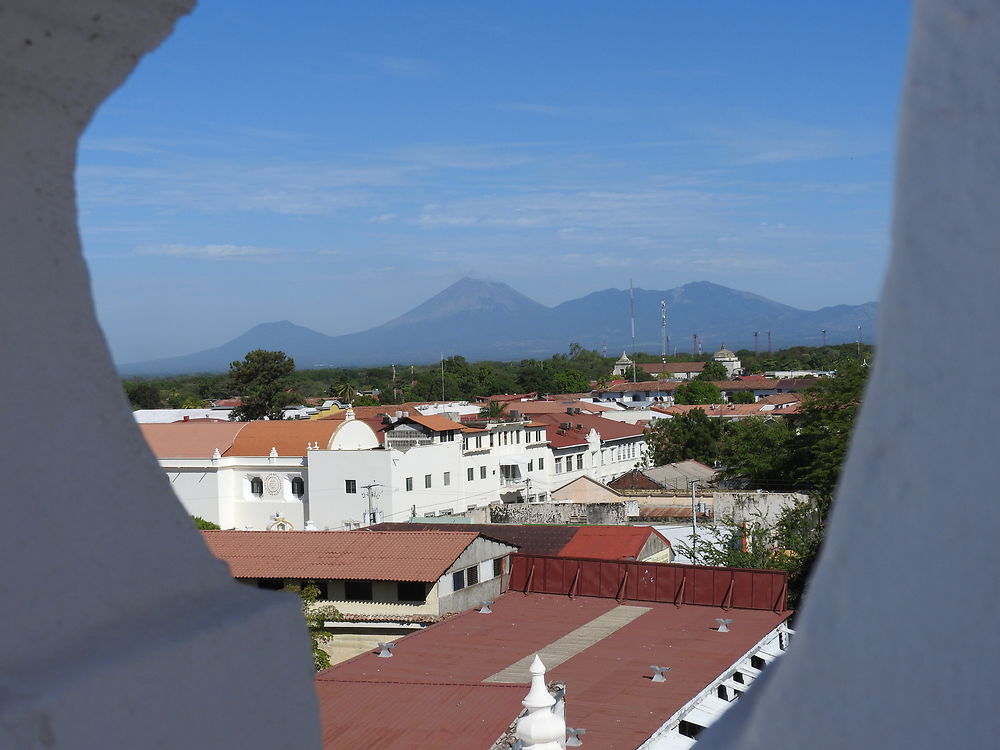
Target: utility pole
x,y
756,348
859,341
394,389
372,520
694,523
442,376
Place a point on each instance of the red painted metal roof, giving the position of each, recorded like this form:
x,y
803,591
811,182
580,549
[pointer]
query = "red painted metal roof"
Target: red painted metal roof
x,y
609,542
344,555
432,691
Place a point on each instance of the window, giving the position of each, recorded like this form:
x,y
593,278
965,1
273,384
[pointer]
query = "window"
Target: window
x,y
358,591
447,478
531,465
479,441
541,464
482,472
458,580
351,486
472,575
470,474
298,487
517,436
257,486
559,465
411,591
499,566
427,481
409,484
579,461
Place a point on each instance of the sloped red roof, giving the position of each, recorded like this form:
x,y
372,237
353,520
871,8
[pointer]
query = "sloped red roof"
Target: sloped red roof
x,y
610,542
434,688
664,386
290,437
191,439
555,407
340,555
435,422
655,368
608,428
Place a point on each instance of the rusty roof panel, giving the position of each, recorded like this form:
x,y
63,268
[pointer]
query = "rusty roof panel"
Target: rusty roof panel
x,y
339,555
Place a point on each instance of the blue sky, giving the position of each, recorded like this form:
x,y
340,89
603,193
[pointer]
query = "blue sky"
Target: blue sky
x,y
336,163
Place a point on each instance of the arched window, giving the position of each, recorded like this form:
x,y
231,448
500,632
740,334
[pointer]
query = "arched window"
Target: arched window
x,y
298,487
257,486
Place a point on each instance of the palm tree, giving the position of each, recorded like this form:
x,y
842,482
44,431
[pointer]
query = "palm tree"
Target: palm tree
x,y
346,392
494,410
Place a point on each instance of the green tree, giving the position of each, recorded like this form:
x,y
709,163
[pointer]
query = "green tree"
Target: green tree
x,y
755,452
144,396
713,371
692,435
570,381
204,525
742,397
698,392
316,614
493,410
261,379
366,401
824,424
345,392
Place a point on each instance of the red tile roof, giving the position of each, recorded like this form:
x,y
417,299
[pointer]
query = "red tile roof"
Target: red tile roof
x,y
289,437
555,407
339,555
508,396
435,422
574,435
610,542
730,411
191,439
365,702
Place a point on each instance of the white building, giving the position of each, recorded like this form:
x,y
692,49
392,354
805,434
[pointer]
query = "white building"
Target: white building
x,y
348,473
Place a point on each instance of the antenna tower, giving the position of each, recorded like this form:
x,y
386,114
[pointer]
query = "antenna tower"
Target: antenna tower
x,y
663,331
756,347
824,337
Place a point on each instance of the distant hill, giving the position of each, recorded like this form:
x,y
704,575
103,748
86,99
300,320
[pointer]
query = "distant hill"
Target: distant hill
x,y
489,320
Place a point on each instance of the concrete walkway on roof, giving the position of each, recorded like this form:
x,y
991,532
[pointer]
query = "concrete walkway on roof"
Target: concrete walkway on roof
x,y
572,643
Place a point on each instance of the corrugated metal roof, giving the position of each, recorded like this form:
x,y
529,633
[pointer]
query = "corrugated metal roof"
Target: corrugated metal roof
x,y
432,692
347,555
533,540
609,542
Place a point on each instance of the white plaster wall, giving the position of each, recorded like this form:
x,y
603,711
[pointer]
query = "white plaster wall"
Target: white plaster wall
x,y
155,645
893,650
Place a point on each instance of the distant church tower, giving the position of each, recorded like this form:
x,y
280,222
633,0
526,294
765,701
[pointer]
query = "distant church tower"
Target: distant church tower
x,y
728,360
622,366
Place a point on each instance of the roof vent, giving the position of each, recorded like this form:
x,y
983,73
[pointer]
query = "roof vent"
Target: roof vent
x,y
565,425
658,673
515,414
386,419
579,426
573,736
484,609
724,623
399,415
386,650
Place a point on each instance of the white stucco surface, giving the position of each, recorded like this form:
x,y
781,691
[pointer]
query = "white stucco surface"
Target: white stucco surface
x,y
152,644
895,649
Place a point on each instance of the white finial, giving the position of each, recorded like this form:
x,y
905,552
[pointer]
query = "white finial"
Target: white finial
x,y
216,455
349,414
540,729
273,453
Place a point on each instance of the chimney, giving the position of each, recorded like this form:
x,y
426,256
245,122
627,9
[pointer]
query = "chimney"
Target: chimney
x,y
186,417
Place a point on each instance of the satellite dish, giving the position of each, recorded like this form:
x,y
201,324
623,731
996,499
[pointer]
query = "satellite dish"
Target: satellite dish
x,y
724,623
386,650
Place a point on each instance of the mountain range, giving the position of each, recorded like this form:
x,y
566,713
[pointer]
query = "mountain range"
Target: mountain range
x,y
490,320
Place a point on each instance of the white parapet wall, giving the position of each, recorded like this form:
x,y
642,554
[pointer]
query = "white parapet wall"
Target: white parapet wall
x,y
119,629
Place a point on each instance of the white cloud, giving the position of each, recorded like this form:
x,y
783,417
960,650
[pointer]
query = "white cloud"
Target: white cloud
x,y
205,251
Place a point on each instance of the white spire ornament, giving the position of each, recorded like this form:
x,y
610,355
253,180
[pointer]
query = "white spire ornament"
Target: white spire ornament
x,y
540,729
